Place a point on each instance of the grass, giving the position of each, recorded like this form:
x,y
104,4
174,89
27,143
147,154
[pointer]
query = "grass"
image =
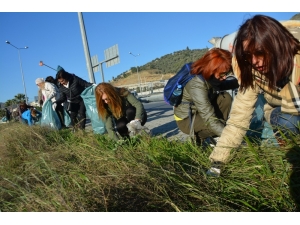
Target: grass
x,y
42,170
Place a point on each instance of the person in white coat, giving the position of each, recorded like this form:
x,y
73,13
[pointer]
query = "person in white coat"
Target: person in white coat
x,y
50,91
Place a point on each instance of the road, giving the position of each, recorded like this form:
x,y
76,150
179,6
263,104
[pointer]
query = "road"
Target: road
x,y
161,121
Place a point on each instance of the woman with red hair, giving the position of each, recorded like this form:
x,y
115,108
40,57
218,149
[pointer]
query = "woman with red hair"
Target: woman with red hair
x,y
205,98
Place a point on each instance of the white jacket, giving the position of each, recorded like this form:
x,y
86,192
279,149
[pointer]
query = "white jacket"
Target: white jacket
x,y
50,91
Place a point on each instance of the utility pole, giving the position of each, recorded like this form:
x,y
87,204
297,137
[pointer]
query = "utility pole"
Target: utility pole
x,y
86,48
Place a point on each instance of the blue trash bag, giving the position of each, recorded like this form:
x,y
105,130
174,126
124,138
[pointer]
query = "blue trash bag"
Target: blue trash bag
x,y
49,116
89,99
4,119
67,119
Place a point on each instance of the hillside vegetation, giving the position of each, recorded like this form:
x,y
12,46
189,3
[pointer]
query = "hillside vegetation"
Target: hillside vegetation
x,y
160,68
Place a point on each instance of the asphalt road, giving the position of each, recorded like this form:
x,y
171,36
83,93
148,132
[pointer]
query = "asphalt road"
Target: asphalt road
x,y
161,120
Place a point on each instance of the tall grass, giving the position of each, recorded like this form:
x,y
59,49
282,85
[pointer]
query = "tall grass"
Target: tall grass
x,y
42,170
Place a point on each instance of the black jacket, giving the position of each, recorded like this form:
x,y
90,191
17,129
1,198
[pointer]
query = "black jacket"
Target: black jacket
x,y
76,87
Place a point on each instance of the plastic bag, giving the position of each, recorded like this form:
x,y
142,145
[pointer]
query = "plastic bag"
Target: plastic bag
x,y
67,118
88,96
49,116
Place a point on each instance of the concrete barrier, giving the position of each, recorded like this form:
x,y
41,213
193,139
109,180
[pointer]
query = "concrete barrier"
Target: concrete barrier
x,y
153,98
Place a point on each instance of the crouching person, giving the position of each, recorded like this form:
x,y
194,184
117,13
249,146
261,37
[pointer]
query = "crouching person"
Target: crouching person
x,y
118,108
30,116
204,97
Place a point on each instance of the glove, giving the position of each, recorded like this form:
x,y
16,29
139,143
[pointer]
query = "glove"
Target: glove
x,y
134,127
54,106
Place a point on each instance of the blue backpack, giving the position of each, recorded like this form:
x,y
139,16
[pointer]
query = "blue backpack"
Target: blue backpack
x,y
174,88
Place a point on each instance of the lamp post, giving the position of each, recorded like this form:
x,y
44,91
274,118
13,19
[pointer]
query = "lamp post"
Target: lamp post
x,y
137,70
7,42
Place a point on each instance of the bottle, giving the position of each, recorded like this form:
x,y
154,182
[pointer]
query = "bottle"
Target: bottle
x,y
175,98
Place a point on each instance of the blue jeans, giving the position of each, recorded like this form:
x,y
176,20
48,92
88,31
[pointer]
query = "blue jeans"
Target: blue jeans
x,y
285,122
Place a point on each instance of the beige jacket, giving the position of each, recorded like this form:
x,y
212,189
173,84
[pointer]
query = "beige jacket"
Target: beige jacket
x,y
243,107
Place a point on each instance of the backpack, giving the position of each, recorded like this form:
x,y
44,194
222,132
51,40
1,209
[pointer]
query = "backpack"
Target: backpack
x,y
173,90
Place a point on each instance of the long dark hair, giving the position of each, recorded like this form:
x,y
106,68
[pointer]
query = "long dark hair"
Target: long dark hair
x,y
276,44
62,74
51,79
214,61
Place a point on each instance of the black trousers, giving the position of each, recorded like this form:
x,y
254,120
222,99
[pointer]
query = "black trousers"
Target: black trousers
x,y
60,112
78,115
123,121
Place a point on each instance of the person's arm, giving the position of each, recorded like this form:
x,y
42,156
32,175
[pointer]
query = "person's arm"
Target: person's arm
x,y
237,124
198,91
110,128
137,104
63,96
82,82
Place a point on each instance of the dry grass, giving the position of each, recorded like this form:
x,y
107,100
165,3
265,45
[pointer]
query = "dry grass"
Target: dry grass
x,y
146,76
42,170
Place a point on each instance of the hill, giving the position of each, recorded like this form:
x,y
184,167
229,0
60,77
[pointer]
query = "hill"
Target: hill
x,y
158,69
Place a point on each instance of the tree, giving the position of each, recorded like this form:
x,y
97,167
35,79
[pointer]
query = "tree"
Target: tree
x,y
9,103
19,98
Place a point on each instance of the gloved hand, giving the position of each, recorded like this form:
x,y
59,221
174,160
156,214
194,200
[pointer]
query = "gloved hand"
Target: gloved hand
x,y
134,127
54,106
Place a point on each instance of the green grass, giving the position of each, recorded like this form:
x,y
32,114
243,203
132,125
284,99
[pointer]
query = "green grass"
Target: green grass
x,y
42,170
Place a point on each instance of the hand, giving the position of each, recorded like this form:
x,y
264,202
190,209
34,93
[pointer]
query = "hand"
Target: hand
x,y
54,106
134,127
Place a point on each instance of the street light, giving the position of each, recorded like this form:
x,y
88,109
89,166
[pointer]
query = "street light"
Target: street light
x,y
7,42
137,70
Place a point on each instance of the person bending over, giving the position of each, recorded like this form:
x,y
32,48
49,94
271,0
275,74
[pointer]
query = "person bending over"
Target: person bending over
x,y
117,107
50,91
71,86
205,98
267,59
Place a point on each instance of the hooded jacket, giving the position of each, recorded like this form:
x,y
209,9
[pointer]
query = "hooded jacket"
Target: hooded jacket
x,y
76,87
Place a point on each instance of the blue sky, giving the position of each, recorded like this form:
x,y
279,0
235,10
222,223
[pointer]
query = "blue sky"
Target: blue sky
x,y
55,38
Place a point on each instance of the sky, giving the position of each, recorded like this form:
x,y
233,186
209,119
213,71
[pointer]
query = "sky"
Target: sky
x,y
52,34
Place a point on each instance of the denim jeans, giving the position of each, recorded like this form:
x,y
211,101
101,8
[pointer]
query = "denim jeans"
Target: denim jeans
x,y
285,122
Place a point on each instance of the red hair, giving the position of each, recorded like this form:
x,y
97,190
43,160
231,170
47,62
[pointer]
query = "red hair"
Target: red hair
x,y
114,97
214,61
